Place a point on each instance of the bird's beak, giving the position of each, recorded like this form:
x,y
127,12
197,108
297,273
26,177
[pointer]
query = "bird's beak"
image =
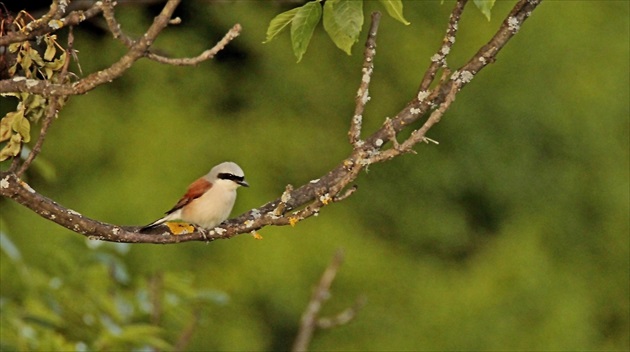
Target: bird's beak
x,y
243,183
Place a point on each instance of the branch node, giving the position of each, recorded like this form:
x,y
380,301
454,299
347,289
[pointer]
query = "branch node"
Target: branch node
x,y
344,317
284,199
391,132
346,194
438,60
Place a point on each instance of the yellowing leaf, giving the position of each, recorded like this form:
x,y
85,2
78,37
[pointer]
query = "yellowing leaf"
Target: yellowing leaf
x,y
34,54
12,148
303,25
5,125
343,20
279,23
50,52
14,47
22,126
395,9
57,64
26,62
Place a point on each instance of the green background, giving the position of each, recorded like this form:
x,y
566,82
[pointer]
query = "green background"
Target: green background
x,y
511,234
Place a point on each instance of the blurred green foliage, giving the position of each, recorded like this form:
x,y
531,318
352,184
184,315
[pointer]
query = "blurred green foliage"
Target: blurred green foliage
x,y
512,233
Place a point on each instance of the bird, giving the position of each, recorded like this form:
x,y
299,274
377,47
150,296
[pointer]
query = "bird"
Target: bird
x,y
209,200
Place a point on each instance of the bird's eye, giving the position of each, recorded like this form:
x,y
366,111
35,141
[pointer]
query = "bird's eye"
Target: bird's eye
x,y
231,177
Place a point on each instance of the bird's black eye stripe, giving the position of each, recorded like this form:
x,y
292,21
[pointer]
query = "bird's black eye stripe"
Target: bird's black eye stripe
x,y
228,176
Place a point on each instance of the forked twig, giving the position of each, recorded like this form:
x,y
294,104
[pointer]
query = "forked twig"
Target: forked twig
x,y
310,318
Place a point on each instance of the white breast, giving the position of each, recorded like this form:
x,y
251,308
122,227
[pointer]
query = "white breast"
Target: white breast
x,y
210,209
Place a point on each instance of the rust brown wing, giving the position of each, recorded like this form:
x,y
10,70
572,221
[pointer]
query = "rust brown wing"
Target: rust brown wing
x,y
195,190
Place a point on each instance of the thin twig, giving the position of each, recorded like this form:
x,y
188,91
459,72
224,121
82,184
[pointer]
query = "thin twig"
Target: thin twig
x,y
438,60
187,333
155,298
344,317
363,95
137,50
51,110
327,186
114,27
234,32
321,293
435,117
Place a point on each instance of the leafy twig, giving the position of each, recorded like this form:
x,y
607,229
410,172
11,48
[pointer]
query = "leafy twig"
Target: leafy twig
x,y
312,196
43,27
51,110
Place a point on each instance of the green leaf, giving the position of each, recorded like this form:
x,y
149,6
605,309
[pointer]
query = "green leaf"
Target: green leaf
x,y
343,20
279,23
485,6
303,25
395,9
22,126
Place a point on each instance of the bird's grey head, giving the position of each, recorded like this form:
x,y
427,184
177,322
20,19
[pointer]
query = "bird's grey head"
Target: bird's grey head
x,y
228,172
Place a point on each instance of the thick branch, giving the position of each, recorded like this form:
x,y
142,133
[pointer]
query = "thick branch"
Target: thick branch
x,y
307,200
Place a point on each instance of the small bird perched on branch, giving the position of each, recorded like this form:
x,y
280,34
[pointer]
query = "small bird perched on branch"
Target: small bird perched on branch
x,y
209,200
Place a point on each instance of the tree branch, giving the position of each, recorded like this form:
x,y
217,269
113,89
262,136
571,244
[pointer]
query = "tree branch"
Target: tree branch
x,y
51,110
44,26
438,60
137,50
307,200
354,134
114,27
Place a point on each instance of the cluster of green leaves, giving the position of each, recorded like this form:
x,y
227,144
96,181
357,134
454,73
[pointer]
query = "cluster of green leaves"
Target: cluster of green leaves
x,y
343,20
15,126
41,311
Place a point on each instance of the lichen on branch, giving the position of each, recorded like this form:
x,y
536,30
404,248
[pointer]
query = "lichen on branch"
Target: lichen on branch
x,y
296,203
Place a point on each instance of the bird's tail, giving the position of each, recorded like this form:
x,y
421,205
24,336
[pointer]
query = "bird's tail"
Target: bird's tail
x,y
153,224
